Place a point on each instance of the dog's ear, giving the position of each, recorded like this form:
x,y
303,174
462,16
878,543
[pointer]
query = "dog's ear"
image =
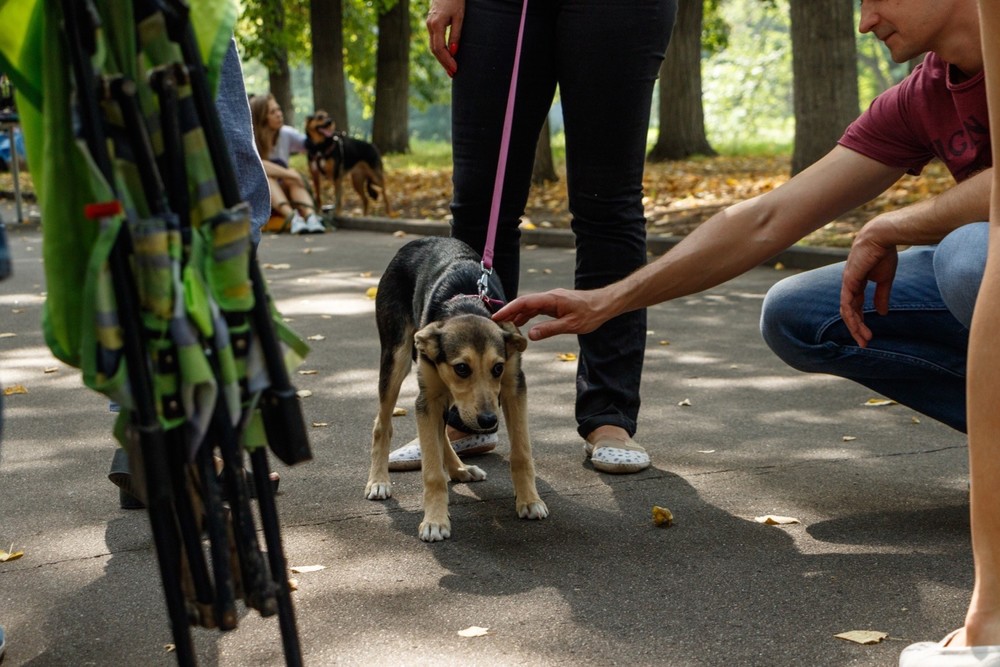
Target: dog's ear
x,y
428,341
513,338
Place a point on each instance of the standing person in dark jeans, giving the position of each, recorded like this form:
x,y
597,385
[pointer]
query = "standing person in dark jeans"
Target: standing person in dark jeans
x,y
604,57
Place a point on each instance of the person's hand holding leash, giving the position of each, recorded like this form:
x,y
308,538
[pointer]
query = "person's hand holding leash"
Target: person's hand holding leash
x,y
445,16
869,260
576,311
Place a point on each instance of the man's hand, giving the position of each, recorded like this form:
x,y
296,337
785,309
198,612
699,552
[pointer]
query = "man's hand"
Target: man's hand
x,y
445,16
575,311
869,260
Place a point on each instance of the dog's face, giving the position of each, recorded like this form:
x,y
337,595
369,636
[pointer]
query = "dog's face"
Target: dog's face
x,y
470,356
319,126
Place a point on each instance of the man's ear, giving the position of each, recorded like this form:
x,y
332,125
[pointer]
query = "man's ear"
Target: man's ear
x,y
428,340
513,338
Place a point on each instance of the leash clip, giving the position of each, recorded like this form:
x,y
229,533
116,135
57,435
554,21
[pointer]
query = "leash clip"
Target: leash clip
x,y
483,284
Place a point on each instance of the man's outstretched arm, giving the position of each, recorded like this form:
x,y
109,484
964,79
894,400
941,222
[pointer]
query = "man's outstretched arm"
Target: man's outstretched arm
x,y
726,245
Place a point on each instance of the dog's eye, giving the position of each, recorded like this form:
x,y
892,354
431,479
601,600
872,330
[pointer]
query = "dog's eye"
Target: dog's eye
x,y
463,370
498,370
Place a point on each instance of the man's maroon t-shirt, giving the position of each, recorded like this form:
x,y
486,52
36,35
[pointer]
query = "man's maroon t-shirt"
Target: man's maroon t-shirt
x,y
926,116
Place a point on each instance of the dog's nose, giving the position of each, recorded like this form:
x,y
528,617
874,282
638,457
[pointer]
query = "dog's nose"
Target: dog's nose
x,y
486,420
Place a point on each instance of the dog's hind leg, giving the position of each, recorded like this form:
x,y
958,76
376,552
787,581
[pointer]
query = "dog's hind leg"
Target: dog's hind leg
x,y
394,366
514,400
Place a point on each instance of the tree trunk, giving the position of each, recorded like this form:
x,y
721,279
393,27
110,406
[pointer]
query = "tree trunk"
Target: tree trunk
x,y
544,168
390,122
682,117
825,75
279,79
326,19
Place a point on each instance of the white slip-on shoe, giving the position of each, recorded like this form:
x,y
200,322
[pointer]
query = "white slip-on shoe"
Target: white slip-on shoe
x,y
407,457
617,457
939,654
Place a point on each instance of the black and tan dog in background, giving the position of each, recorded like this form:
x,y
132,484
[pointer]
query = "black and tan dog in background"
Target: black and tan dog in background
x,y
335,155
428,309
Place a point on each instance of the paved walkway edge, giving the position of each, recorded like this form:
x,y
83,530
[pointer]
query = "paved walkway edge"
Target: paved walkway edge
x,y
796,257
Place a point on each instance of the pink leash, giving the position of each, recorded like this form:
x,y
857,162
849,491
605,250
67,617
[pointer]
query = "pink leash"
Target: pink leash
x,y
487,263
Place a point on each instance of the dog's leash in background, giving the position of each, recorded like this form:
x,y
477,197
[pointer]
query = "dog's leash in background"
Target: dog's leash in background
x,y
491,233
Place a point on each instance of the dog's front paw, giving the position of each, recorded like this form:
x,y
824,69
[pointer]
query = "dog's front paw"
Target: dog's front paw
x,y
430,531
378,490
469,474
536,509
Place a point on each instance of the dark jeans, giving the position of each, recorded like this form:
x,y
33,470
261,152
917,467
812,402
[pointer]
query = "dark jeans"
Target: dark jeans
x,y
604,57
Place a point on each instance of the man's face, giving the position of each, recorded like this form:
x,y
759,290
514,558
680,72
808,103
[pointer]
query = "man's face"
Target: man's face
x,y
907,27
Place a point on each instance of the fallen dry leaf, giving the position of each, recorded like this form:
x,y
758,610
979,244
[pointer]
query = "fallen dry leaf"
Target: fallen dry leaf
x,y
320,424
169,648
399,234
878,402
686,401
6,556
277,267
317,337
706,451
307,251
662,516
293,584
914,420
664,342
51,369
862,636
308,372
303,393
14,389
371,292
567,356
848,438
527,225
302,569
398,412
775,520
7,335
365,274
474,631
778,266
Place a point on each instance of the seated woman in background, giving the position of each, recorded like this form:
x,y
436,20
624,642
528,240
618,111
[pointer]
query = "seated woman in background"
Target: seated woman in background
x,y
275,143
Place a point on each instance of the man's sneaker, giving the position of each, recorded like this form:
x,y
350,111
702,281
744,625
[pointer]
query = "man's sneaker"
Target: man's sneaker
x,y
314,225
299,225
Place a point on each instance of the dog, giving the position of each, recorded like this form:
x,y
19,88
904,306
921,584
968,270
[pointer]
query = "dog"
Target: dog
x,y
335,155
428,309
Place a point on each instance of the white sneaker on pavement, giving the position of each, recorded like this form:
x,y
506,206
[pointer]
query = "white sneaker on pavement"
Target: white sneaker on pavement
x,y
299,225
314,225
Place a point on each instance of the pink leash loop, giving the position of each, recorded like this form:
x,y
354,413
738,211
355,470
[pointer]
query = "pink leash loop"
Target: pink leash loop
x,y
487,263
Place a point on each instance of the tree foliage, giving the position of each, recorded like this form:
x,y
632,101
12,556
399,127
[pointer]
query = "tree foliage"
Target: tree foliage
x,y
260,40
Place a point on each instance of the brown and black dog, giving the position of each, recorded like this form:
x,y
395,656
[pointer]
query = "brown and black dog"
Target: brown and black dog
x,y
334,154
428,309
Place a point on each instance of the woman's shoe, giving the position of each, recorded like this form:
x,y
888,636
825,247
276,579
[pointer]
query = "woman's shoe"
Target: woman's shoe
x,y
939,654
407,457
617,457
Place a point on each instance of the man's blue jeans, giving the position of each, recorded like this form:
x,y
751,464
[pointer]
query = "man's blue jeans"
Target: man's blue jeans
x,y
918,350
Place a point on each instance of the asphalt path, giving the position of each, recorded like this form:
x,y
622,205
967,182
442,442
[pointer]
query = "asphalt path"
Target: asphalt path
x,y
880,495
